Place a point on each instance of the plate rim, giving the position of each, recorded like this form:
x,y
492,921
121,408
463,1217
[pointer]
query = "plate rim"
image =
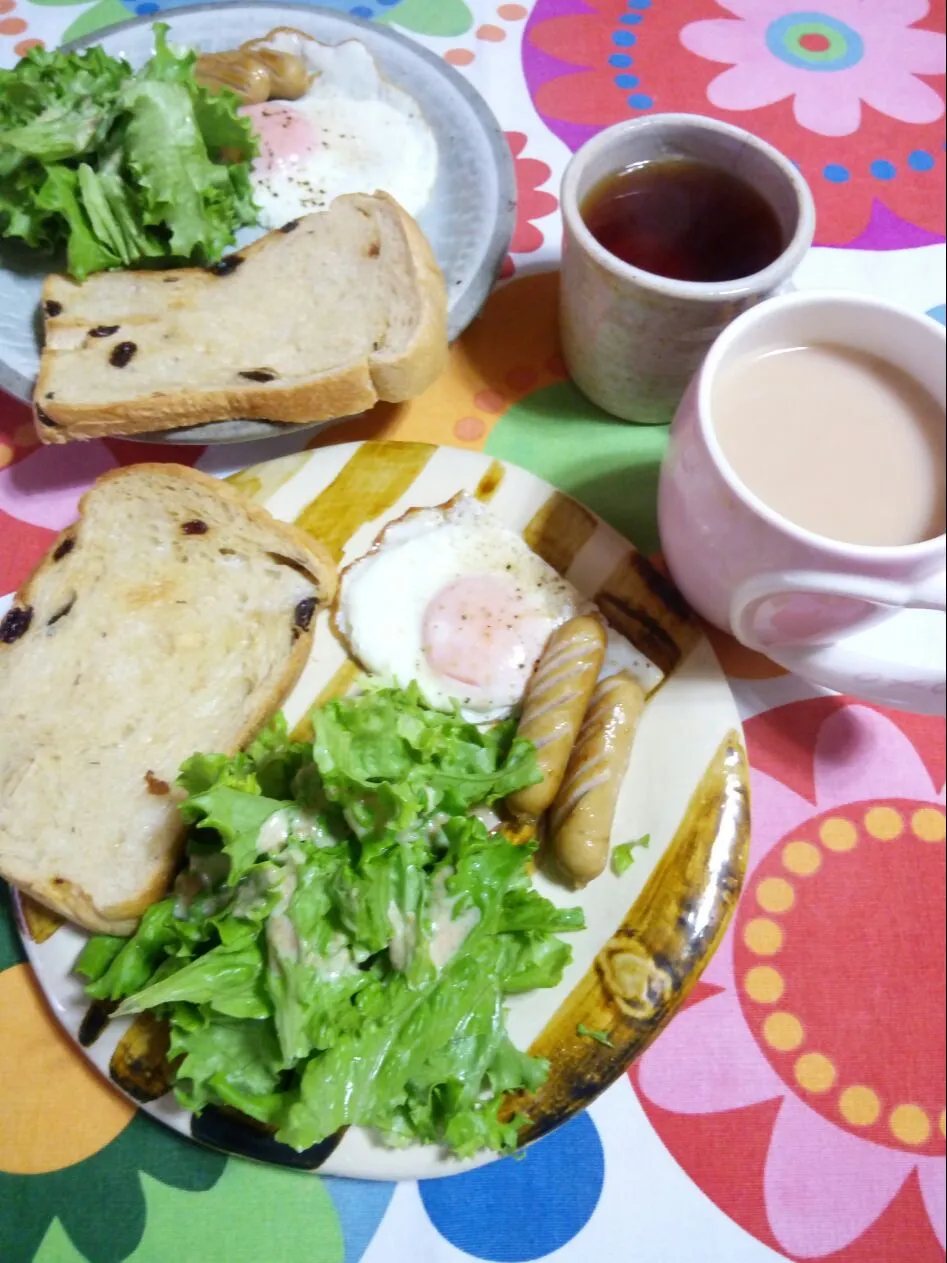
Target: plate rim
x,y
469,304
452,1166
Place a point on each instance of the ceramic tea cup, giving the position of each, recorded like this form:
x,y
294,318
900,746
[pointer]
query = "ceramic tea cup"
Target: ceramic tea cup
x,y
631,339
789,592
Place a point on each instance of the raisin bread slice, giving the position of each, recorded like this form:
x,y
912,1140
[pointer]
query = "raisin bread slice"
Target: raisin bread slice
x,y
318,320
173,617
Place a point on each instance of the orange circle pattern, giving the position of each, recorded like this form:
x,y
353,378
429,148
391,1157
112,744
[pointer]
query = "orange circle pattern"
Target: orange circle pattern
x,y
783,1031
838,834
764,984
814,1072
469,429
763,937
859,1105
884,823
489,401
488,33
909,1124
801,858
929,824
775,894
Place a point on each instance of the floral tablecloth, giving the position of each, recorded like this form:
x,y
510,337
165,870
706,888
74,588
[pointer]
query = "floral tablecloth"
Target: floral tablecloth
x,y
795,1109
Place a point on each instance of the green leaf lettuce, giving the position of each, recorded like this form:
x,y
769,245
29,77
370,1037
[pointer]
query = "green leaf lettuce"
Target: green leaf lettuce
x,y
341,944
116,168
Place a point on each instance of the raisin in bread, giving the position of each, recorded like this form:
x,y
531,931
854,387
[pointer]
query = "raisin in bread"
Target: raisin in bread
x,y
318,320
172,618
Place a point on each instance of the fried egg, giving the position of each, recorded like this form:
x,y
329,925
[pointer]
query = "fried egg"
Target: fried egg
x,y
352,132
454,599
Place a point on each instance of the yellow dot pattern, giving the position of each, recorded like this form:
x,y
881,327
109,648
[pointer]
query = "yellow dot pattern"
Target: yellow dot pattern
x,y
814,1072
762,936
929,824
783,1031
884,823
909,1124
802,858
775,894
838,834
764,984
859,1105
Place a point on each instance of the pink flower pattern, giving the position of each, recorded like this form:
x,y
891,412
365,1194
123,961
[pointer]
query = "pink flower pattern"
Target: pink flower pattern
x,y
831,61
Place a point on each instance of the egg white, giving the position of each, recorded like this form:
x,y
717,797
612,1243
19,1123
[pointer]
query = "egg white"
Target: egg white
x,y
370,136
384,595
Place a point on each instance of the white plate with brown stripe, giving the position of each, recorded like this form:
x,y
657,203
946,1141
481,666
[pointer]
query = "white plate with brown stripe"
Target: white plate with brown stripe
x,y
650,931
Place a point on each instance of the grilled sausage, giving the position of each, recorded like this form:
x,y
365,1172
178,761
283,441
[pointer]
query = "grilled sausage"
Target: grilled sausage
x,y
256,73
237,71
289,75
556,699
582,815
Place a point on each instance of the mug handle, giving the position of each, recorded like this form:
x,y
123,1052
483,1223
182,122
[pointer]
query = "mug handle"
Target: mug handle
x,y
833,665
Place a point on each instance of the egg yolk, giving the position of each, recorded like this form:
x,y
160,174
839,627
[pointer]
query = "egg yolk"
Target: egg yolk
x,y
478,632
286,136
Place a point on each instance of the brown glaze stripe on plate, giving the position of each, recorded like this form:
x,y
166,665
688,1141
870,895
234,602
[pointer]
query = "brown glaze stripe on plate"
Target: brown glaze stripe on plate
x,y
376,477
234,1133
41,924
98,1015
646,969
140,1063
341,682
348,674
648,610
260,482
559,530
489,484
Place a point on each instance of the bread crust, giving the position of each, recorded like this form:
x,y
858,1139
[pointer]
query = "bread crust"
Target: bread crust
x,y
61,894
347,390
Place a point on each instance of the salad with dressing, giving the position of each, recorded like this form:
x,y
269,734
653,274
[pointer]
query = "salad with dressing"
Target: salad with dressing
x,y
339,946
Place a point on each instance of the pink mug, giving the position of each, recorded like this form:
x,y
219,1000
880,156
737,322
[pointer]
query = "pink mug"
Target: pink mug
x,y
789,593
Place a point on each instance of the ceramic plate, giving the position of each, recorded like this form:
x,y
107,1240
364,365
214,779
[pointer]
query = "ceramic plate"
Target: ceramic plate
x,y
468,219
650,932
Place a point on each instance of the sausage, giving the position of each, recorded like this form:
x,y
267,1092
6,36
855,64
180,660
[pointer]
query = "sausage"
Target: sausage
x,y
237,71
289,75
255,73
582,815
556,699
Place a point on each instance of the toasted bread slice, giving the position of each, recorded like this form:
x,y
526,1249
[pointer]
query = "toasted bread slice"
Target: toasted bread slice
x,y
173,617
318,320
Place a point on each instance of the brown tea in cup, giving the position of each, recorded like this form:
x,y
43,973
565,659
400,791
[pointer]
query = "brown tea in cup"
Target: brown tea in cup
x,y
684,219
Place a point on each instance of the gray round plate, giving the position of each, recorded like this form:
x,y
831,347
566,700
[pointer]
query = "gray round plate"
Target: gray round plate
x,y
468,219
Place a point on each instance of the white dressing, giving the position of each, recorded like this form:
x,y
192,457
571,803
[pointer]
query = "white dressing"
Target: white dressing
x,y
289,822
447,931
